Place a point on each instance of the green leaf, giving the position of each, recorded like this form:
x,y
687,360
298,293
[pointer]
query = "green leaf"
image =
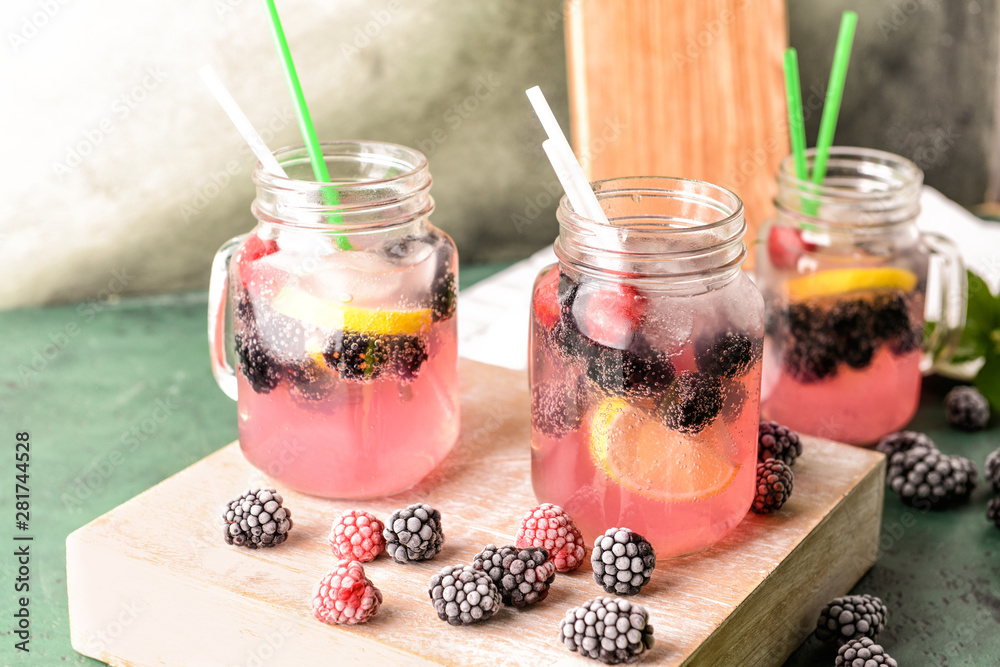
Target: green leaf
x,y
988,378
981,319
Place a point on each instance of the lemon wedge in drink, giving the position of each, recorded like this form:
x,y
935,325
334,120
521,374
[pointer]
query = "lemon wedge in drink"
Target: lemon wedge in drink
x,y
640,454
839,281
303,306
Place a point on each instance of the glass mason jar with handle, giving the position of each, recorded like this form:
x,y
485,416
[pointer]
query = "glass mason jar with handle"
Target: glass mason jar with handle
x,y
848,279
343,310
645,361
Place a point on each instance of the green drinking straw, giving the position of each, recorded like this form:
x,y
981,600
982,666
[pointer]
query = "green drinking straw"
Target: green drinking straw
x,y
796,123
835,92
330,195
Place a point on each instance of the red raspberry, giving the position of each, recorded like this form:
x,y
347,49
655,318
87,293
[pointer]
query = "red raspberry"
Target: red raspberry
x,y
549,526
785,245
345,595
609,315
357,535
546,299
253,249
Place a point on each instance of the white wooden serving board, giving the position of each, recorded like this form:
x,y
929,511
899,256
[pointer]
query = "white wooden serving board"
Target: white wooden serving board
x,y
153,583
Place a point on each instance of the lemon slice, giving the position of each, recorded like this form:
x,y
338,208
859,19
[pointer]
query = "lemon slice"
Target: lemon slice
x,y
314,310
839,281
643,456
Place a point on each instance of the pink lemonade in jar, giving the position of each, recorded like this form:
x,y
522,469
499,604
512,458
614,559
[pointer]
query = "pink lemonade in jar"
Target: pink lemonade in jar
x,y
347,362
645,407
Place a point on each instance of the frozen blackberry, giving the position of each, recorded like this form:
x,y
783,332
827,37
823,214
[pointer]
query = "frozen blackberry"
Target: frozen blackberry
x,y
777,442
890,317
967,409
639,370
555,411
774,486
259,365
445,299
692,402
356,356
902,441
851,617
413,534
462,595
851,323
993,470
623,561
404,356
613,631
522,576
926,478
256,520
993,511
729,354
811,360
801,320
863,653
549,526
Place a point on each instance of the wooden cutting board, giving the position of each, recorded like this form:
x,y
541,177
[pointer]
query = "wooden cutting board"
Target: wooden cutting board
x,y
153,583
681,88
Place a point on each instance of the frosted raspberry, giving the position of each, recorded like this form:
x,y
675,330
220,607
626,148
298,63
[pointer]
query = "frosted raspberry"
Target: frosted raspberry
x,y
548,526
345,595
357,535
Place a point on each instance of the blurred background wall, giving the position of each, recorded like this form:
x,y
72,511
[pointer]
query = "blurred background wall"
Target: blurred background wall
x,y
121,175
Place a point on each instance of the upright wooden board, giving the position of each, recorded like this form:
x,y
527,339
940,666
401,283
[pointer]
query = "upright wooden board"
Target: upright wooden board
x,y
681,88
153,583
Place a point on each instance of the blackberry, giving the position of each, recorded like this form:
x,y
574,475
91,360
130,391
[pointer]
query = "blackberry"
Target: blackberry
x,y
729,354
993,511
356,356
259,365
907,342
851,617
257,520
623,561
639,370
851,323
554,411
312,380
863,653
902,441
925,477
522,576
890,317
400,248
444,301
810,360
405,355
613,631
777,442
462,595
413,533
774,486
801,320
692,402
967,409
993,470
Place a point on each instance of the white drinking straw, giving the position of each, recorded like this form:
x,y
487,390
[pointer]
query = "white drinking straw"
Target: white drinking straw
x,y
240,120
567,169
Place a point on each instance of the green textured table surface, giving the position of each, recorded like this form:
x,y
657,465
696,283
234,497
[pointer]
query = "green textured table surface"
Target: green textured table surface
x,y
118,396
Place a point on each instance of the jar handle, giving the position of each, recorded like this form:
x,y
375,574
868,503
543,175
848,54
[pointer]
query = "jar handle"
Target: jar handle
x,y
949,302
218,332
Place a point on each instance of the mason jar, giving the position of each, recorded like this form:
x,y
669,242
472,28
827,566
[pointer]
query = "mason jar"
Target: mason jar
x,y
344,331
859,301
645,365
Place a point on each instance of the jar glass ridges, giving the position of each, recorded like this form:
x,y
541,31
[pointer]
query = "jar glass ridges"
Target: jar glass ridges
x,y
344,325
844,272
645,365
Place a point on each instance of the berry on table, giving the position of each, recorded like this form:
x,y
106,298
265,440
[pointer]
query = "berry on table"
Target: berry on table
x,y
903,441
851,617
346,596
993,511
522,576
357,535
549,526
863,653
778,442
692,402
967,409
462,595
614,631
774,486
925,477
413,533
623,561
993,470
257,520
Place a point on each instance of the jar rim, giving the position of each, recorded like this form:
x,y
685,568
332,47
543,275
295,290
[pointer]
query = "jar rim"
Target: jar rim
x,y
906,172
299,154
